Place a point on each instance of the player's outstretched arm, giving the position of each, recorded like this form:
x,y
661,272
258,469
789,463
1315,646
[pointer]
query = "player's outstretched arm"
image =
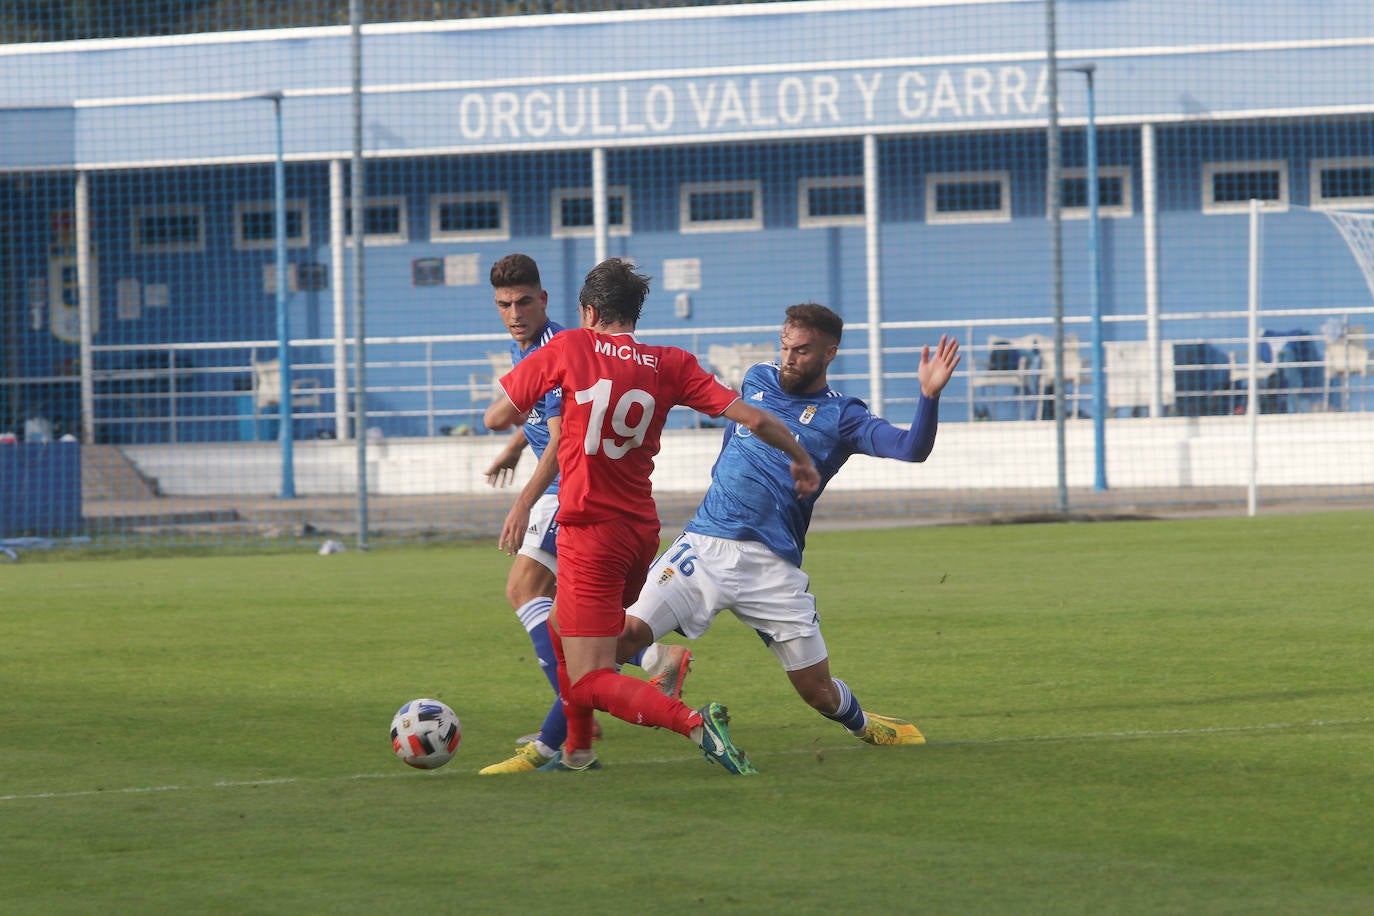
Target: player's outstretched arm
x,y
915,443
773,431
937,368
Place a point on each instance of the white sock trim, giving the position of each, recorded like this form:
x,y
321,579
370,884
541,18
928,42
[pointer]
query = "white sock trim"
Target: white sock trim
x,y
534,612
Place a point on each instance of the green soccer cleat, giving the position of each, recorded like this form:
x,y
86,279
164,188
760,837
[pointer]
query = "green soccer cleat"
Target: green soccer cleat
x,y
527,759
556,765
716,744
671,670
886,731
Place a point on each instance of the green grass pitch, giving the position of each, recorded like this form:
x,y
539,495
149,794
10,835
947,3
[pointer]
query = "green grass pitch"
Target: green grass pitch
x,y
1125,717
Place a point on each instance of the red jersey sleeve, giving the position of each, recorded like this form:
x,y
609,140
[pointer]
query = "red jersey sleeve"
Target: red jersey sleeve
x,y
534,376
697,388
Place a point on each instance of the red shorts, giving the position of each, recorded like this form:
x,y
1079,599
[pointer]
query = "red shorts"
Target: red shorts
x,y
601,568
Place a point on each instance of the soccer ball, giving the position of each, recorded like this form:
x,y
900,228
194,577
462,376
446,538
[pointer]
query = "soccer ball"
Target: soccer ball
x,y
425,734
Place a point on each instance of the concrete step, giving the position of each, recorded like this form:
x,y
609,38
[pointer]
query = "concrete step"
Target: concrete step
x,y
107,474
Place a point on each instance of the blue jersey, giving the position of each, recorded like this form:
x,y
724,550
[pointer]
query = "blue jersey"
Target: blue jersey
x,y
550,405
751,497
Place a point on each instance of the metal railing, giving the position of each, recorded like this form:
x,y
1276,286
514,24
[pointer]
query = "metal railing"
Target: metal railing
x,y
441,384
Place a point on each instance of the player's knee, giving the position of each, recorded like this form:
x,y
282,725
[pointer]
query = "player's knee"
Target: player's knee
x,y
522,588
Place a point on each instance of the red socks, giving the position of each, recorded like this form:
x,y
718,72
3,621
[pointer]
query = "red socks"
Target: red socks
x,y
637,702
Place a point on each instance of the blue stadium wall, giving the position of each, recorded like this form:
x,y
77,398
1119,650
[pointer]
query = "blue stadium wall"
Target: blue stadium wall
x,y
929,272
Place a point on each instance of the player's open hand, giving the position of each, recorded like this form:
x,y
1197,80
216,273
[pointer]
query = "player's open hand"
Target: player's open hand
x,y
502,471
937,368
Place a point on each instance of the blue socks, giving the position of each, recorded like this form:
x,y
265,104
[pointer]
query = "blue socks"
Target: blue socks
x,y
554,731
849,714
534,616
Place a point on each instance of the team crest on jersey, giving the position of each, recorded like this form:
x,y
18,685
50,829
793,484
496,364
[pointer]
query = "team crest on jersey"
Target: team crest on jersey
x,y
808,414
666,575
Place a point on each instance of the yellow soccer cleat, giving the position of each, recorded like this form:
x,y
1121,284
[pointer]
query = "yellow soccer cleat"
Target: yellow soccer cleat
x,y
527,759
887,731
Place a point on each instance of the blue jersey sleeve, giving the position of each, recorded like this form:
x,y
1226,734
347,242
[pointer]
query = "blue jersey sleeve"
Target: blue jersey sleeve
x,y
870,435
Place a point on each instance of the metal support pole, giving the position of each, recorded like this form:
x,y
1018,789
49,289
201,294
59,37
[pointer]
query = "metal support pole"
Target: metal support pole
x,y
1056,258
873,268
355,19
338,286
285,436
1252,355
601,218
1095,290
86,301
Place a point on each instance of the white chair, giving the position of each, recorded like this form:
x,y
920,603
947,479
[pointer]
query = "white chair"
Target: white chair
x,y
1129,386
730,362
306,392
1039,349
1266,371
1037,357
1075,372
1000,368
1346,355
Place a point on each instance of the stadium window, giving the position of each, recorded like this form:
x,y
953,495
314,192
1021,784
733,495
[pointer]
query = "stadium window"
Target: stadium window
x,y
968,197
573,217
1228,187
722,206
469,217
255,225
384,221
1113,192
168,230
825,202
1338,183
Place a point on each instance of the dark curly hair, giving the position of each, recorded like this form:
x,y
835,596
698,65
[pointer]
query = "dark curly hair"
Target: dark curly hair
x,y
817,318
616,290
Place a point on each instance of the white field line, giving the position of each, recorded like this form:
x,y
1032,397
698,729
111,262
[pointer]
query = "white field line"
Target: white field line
x,y
1022,739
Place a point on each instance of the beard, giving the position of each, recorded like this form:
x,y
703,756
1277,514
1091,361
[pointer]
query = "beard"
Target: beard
x,y
797,382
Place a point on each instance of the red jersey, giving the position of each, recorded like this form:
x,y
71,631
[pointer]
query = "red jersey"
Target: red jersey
x,y
616,396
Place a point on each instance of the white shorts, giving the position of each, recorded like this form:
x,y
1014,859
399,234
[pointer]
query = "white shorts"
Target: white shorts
x,y
699,576
542,534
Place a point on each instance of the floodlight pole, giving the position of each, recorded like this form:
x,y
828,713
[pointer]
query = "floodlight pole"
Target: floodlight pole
x,y
285,436
1095,289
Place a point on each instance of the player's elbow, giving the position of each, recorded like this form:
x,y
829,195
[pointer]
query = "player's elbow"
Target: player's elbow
x,y
920,450
913,450
499,416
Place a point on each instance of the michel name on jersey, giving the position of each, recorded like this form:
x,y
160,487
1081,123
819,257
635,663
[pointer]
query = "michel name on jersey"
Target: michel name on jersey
x,y
627,353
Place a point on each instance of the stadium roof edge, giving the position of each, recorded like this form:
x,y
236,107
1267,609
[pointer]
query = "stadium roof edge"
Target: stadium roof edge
x,y
787,7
